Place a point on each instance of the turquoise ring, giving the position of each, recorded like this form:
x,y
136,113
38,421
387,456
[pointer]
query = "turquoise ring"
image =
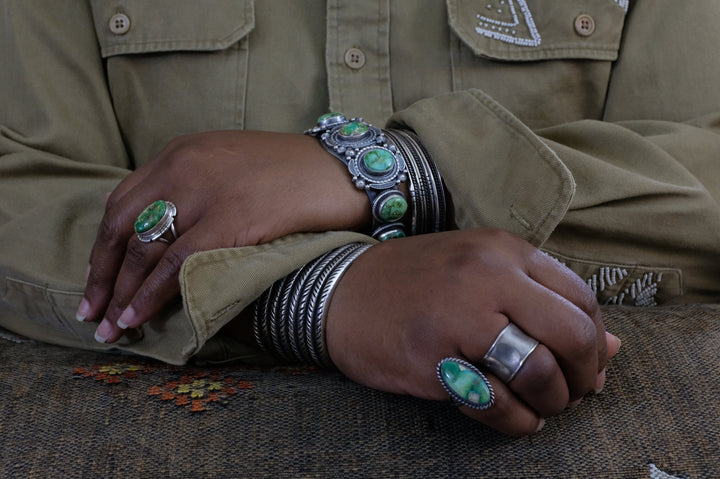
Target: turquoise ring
x,y
155,221
465,384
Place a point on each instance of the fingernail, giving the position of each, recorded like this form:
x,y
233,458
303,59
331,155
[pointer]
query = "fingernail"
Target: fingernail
x,y
541,424
575,403
600,382
83,310
126,318
87,273
103,331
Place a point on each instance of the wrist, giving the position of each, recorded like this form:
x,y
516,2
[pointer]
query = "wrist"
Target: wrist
x,y
376,167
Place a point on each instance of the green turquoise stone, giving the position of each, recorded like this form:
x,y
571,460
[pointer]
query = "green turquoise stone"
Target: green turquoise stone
x,y
394,208
392,235
150,216
378,160
354,129
465,383
327,116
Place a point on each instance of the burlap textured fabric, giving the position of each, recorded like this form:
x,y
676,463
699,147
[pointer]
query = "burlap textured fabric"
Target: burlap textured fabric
x,y
70,413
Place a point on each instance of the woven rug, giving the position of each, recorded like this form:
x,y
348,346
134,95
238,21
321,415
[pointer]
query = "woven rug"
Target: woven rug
x,y
77,414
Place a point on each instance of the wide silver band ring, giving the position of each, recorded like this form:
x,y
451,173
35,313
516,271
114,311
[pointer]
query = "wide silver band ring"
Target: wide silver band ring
x,y
508,353
156,222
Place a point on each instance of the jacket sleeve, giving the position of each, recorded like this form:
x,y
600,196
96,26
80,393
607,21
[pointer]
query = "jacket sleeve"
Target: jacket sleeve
x,y
61,152
634,192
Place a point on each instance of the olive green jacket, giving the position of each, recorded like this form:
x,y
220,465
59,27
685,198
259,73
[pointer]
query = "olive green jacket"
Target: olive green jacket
x,y
588,127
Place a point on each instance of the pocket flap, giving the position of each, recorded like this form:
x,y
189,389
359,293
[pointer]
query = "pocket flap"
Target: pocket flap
x,y
526,30
170,25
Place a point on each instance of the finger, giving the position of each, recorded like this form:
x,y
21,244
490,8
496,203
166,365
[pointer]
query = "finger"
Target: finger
x,y
508,414
162,284
140,259
613,343
554,275
110,248
565,329
539,382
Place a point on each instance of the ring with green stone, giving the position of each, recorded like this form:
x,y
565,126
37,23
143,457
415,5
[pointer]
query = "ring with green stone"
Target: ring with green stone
x,y
465,384
155,221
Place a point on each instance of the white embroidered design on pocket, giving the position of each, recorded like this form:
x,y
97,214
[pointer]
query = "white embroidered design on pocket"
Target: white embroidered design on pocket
x,y
640,293
504,22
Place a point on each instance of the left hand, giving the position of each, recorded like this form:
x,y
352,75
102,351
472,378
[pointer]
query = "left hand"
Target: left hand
x,y
231,188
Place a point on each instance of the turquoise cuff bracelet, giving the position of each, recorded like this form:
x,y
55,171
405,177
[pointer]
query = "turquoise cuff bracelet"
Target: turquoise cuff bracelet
x,y
376,167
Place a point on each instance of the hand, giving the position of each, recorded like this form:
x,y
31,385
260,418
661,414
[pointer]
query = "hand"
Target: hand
x,y
404,305
231,188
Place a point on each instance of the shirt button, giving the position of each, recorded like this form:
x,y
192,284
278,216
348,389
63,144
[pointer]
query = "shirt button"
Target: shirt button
x,y
354,58
584,25
119,24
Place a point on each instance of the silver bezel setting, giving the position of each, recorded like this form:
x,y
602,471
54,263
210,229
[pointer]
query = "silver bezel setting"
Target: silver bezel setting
x,y
455,397
162,226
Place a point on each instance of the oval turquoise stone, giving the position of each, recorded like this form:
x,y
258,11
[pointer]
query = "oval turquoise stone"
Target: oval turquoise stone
x,y
392,235
354,129
327,116
150,216
379,160
464,382
394,208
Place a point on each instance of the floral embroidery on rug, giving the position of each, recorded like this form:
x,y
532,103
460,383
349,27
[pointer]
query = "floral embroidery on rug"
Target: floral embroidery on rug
x,y
112,373
199,391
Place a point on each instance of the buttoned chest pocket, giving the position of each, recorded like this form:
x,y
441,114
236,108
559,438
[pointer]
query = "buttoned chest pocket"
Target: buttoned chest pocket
x,y
548,62
174,66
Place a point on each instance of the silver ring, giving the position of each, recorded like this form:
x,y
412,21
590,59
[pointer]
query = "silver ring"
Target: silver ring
x,y
508,353
155,221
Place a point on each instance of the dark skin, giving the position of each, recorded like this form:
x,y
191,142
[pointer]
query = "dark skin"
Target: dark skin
x,y
401,307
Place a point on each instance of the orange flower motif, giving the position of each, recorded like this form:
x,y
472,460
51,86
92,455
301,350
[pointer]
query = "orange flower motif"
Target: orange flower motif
x,y
194,389
199,390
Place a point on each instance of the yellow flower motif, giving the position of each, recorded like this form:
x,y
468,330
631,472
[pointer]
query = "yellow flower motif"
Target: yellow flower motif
x,y
183,388
198,383
197,393
215,386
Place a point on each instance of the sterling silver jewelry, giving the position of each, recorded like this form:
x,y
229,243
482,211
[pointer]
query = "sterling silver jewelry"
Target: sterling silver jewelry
x,y
156,220
427,193
465,384
289,317
508,353
376,167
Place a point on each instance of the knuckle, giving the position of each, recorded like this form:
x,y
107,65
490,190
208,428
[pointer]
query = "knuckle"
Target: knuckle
x,y
543,368
183,151
110,231
172,261
583,340
587,301
136,255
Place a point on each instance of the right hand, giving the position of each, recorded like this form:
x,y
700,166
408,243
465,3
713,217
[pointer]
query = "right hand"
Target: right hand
x,y
404,305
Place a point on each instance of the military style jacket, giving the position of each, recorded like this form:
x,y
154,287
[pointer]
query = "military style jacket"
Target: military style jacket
x,y
588,127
